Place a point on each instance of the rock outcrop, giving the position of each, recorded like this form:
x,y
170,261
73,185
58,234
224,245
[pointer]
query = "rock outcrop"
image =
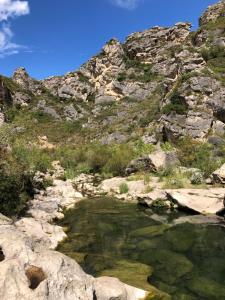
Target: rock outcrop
x,y
22,78
28,272
169,64
212,13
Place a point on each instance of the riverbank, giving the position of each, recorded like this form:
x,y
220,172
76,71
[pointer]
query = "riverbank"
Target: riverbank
x,y
30,269
42,272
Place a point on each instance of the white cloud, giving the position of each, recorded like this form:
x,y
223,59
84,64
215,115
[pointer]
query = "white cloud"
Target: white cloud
x,y
127,4
10,9
6,46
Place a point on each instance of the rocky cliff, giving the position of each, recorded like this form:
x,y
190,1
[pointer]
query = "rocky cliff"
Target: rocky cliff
x,y
179,70
153,105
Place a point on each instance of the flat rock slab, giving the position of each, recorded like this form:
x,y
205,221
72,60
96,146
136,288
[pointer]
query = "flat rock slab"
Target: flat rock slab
x,y
204,201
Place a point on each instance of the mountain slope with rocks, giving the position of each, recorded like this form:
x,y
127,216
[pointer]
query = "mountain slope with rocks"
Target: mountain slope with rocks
x,y
178,68
162,86
149,111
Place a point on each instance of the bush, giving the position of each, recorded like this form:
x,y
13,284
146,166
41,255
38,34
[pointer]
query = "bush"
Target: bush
x,y
123,188
121,156
83,78
122,76
195,154
97,157
212,52
159,203
177,104
197,178
175,183
167,147
15,190
140,148
165,172
33,159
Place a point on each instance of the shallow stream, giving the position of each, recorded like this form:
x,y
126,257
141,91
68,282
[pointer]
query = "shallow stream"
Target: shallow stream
x,y
142,247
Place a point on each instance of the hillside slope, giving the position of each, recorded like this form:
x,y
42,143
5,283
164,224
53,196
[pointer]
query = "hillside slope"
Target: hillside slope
x,y
162,85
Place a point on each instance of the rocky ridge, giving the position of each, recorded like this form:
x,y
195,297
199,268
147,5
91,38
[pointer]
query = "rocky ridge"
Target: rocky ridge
x,y
165,63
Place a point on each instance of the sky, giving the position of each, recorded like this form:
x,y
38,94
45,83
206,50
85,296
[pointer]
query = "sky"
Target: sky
x,y
53,37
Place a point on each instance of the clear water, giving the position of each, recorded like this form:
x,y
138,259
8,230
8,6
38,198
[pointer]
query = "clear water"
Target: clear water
x,y
141,248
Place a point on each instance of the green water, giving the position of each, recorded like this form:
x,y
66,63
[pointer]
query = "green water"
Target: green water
x,y
141,248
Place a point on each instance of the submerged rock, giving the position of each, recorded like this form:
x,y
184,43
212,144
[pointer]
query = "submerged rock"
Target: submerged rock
x,y
207,288
132,273
181,237
150,231
168,266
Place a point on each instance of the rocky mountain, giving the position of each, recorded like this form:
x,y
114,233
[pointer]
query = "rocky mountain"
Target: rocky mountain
x,y
181,71
142,121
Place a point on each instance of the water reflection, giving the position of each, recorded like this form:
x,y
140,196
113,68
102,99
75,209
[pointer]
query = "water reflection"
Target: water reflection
x,y
141,248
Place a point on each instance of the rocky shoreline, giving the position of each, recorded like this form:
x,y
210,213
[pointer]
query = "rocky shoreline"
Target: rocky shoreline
x,y
33,269
207,201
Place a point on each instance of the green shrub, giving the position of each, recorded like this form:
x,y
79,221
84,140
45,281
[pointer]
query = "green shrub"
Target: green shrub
x,y
175,182
97,157
140,148
83,78
219,23
33,159
167,147
197,178
165,172
124,189
177,104
47,182
195,154
41,116
213,52
15,190
120,157
122,76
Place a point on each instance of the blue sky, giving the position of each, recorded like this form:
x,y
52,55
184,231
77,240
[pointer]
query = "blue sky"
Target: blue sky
x,y
52,37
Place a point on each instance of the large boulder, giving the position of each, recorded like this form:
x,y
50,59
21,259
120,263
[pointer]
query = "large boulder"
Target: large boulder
x,y
218,176
204,201
153,162
28,271
27,274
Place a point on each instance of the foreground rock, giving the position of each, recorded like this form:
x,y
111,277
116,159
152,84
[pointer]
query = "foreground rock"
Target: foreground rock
x,y
204,201
114,289
26,272
29,269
